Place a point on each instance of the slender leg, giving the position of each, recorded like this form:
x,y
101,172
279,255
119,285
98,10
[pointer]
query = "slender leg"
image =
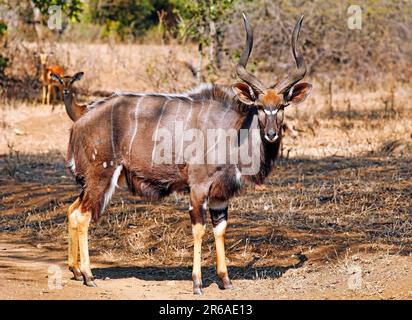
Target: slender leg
x,y
74,240
197,217
198,233
48,94
218,213
83,221
60,94
54,95
44,93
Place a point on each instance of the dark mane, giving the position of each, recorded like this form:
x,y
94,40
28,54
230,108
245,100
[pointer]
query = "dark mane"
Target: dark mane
x,y
99,102
219,93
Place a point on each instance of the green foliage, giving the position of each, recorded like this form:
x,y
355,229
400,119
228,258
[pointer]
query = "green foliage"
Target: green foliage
x,y
72,8
3,29
126,17
3,60
195,17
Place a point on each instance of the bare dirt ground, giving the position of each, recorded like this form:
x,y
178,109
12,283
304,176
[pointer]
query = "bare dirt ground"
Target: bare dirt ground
x,y
26,268
334,221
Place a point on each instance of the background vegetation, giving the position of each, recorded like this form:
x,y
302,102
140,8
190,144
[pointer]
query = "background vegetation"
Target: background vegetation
x,y
379,52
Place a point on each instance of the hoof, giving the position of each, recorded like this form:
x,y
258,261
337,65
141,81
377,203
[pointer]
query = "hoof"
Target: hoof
x,y
77,275
227,284
198,291
89,281
197,286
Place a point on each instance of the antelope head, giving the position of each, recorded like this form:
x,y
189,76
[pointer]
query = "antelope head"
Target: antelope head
x,y
271,101
67,81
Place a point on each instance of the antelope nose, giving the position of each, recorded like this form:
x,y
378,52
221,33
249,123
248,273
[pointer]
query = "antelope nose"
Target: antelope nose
x,y
271,136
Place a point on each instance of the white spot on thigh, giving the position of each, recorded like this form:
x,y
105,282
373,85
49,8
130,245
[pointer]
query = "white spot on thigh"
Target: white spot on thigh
x,y
238,175
72,165
93,156
204,205
111,163
112,187
105,165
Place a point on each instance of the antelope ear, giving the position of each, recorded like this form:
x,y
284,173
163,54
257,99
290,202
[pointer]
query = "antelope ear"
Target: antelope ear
x,y
245,93
298,93
55,77
78,76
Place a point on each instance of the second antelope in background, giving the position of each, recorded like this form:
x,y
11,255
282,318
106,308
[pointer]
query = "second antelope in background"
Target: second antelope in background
x,y
120,137
49,85
73,109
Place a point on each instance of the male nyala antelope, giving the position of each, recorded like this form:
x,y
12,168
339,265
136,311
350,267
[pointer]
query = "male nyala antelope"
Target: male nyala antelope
x,y
114,141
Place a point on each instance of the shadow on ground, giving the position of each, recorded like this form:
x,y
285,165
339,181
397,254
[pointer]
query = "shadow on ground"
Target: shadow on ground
x,y
310,205
185,273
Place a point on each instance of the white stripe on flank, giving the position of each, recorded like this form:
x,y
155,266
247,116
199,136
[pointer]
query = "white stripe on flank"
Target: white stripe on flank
x,y
208,111
111,133
135,128
188,116
184,128
201,109
157,129
218,137
113,183
177,111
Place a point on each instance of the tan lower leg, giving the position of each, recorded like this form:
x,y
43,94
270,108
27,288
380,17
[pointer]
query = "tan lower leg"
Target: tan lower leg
x,y
219,233
48,94
221,268
83,221
198,233
44,93
73,251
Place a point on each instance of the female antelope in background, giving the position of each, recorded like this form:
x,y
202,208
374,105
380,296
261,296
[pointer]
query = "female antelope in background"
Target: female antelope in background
x,y
117,138
73,109
49,85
